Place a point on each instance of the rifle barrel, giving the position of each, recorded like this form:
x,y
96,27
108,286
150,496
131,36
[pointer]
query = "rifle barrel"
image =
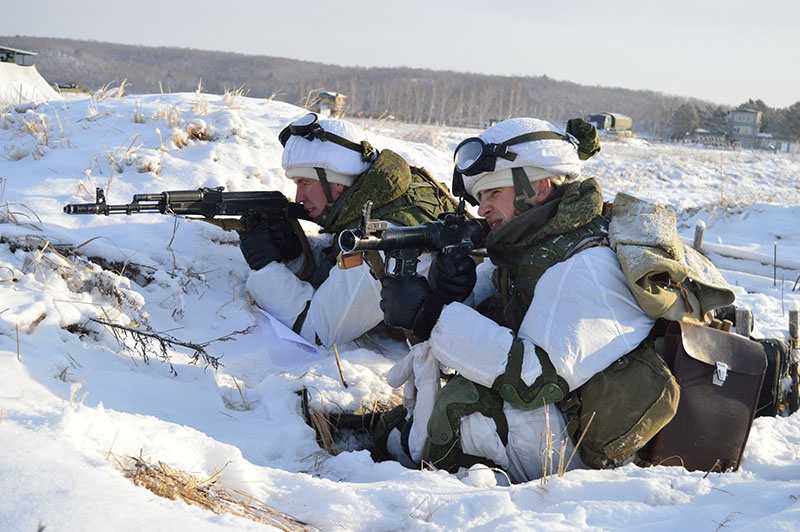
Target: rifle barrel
x,y
429,236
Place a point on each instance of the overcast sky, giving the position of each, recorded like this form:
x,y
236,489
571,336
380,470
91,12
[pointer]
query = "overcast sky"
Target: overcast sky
x,y
721,51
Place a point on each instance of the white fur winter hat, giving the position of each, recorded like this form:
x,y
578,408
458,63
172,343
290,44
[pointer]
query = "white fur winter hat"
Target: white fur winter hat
x,y
342,165
539,158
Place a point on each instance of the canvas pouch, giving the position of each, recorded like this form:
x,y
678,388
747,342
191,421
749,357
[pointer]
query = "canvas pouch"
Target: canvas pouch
x,y
668,279
620,409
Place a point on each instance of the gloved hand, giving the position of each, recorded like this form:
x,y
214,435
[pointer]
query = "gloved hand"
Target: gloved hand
x,y
402,298
453,276
412,304
268,241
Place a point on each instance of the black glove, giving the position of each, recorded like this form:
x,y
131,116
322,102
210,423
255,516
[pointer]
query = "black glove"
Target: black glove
x,y
402,298
453,276
412,304
268,241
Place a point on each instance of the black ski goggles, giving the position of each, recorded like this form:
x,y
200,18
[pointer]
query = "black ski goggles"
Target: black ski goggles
x,y
473,156
309,128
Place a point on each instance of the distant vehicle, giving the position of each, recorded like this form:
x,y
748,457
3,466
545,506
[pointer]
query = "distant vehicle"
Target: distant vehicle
x,y
611,121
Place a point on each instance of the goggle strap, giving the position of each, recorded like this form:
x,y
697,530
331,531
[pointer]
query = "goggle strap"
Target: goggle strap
x,y
528,137
367,151
536,135
505,153
315,131
522,189
323,135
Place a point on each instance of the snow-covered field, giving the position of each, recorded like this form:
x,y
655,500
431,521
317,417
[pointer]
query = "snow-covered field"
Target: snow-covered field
x,y
77,397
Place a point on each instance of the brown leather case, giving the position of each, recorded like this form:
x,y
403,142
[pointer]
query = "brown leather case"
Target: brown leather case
x,y
720,375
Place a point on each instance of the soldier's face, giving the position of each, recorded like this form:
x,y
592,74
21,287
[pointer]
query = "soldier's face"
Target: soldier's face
x,y
497,205
311,194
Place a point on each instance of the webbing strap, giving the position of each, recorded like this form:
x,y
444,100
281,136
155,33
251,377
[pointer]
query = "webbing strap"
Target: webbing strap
x,y
522,189
549,387
323,179
301,318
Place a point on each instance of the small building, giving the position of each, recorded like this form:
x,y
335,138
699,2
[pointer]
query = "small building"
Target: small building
x,y
775,143
744,126
330,104
18,57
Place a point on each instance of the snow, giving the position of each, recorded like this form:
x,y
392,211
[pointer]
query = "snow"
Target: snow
x,y
22,84
77,396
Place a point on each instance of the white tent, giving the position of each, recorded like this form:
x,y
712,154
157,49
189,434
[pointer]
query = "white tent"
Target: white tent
x,y
24,84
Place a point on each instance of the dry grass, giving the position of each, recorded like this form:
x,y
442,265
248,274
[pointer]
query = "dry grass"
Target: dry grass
x,y
122,156
337,430
44,258
312,97
17,213
146,163
232,96
194,130
322,425
138,116
171,115
107,92
207,493
37,127
200,106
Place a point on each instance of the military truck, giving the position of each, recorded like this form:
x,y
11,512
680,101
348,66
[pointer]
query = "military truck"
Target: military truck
x,y
611,121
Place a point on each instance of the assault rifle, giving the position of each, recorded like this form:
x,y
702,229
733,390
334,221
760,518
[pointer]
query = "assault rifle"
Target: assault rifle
x,y
453,232
207,204
231,211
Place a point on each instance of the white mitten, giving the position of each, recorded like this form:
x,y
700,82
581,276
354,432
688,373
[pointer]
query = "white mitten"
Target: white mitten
x,y
402,371
402,374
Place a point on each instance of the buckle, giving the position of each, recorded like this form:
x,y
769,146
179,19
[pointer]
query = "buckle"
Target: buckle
x,y
720,374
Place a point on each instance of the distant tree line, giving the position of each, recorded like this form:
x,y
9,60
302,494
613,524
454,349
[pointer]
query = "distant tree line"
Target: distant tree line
x,y
411,95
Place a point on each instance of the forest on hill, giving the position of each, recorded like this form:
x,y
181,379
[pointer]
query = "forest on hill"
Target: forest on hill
x,y
407,94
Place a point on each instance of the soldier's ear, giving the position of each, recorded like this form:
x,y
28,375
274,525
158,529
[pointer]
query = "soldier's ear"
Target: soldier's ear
x,y
542,189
